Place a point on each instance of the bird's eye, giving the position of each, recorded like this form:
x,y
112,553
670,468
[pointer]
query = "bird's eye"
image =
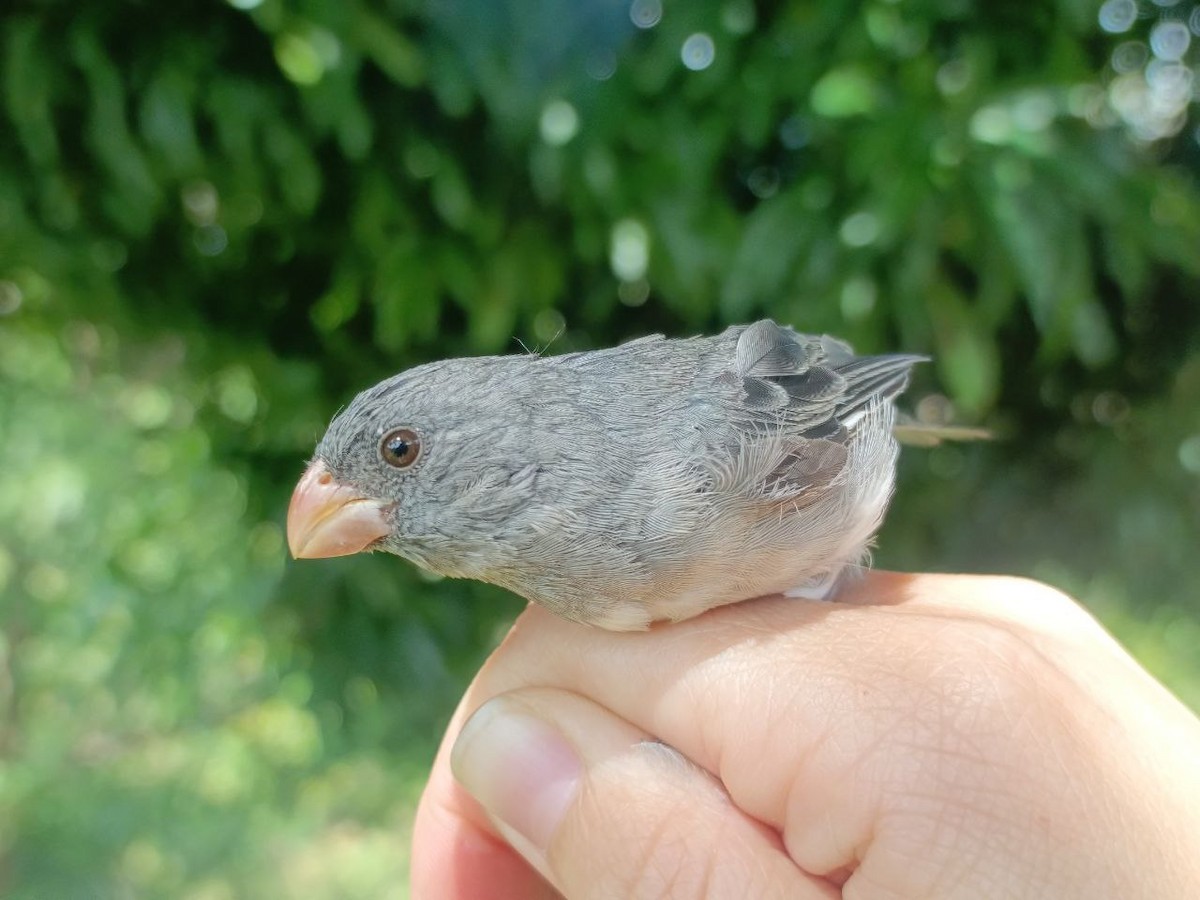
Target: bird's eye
x,y
400,448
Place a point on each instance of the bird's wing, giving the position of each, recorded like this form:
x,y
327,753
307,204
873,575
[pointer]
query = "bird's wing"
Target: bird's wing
x,y
793,402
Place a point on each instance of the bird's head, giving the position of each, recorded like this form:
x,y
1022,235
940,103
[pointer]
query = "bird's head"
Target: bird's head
x,y
420,466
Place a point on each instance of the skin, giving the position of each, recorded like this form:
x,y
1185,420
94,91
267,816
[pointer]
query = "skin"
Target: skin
x,y
925,736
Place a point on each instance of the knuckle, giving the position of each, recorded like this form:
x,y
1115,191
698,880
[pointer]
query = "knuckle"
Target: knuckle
x,y
979,696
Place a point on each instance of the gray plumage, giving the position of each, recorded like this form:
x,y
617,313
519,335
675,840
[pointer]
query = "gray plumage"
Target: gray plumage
x,y
650,481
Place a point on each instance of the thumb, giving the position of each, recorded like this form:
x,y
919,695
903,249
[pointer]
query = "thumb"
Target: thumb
x,y
603,811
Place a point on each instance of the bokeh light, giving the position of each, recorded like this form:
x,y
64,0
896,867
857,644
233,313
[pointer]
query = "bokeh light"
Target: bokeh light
x,y
1118,16
629,250
1155,72
645,13
559,123
698,52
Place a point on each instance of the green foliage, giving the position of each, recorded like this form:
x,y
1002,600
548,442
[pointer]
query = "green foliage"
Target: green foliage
x,y
218,221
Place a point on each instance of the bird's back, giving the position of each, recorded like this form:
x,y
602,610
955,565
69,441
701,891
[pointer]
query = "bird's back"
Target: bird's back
x,y
682,474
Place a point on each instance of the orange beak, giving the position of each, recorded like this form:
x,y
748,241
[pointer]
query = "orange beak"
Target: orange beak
x,y
329,519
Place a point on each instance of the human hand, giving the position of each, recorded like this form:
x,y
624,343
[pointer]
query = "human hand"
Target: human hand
x,y
925,736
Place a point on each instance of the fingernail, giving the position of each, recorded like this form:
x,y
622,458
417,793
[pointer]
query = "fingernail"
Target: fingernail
x,y
522,770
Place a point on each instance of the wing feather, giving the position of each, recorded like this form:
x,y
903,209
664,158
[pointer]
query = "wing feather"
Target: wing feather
x,y
795,401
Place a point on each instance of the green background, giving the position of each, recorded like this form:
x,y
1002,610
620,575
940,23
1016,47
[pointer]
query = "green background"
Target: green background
x,y
219,221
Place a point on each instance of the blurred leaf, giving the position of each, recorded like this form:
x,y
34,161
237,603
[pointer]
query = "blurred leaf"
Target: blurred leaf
x,y
967,357
1093,337
405,297
339,304
388,47
167,124
27,82
844,92
133,197
451,195
299,176
1048,249
774,236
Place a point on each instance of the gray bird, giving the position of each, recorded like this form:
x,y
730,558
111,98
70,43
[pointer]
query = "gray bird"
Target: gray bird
x,y
620,487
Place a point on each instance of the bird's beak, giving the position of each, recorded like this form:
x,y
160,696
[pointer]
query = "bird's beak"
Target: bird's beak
x,y
329,519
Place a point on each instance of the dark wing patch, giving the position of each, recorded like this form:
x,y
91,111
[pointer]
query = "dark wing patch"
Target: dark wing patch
x,y
830,429
764,394
764,349
780,380
807,470
780,410
815,385
834,351
820,377
808,392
